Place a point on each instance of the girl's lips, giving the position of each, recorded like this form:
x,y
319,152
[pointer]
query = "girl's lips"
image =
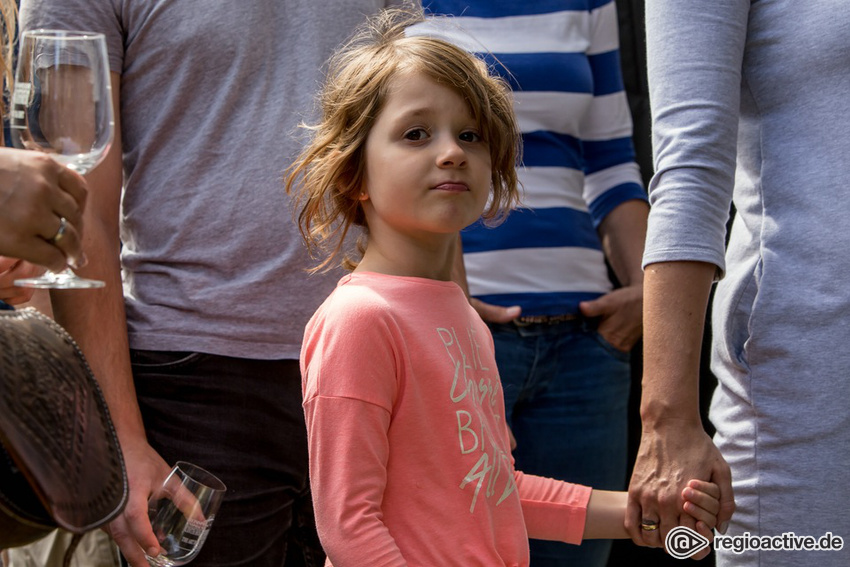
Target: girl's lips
x,y
452,187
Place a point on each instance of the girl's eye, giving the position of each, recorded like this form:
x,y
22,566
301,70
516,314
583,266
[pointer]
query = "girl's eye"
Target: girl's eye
x,y
416,134
470,137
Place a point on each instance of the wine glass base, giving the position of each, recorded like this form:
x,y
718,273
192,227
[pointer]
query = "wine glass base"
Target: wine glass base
x,y
61,280
159,561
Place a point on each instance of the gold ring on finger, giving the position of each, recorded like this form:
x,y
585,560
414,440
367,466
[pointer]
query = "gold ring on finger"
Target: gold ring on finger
x,y
63,225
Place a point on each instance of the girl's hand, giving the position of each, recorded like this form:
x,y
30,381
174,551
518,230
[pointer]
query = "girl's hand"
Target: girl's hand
x,y
702,502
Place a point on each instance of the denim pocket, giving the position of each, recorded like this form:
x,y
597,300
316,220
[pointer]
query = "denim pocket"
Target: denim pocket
x,y
164,360
621,355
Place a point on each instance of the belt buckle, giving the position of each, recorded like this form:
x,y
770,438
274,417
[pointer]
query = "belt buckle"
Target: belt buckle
x,y
545,319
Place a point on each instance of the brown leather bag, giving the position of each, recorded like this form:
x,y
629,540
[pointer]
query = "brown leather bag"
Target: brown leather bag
x,y
60,462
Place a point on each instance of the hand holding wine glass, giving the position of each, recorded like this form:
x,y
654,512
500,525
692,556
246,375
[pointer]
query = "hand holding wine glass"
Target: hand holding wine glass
x,y
62,107
182,513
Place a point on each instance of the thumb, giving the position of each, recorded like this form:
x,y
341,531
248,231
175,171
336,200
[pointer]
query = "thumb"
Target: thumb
x,y
594,308
722,476
495,313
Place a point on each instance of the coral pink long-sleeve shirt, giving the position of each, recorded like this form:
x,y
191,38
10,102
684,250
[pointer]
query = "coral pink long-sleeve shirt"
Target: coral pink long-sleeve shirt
x,y
410,461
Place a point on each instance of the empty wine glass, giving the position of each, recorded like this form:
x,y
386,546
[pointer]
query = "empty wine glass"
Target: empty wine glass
x,y
182,512
62,106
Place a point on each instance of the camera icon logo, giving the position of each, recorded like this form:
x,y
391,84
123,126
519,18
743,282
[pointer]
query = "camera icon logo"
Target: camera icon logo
x,y
683,542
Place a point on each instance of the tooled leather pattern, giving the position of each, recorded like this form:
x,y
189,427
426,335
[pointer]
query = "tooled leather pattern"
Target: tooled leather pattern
x,y
54,422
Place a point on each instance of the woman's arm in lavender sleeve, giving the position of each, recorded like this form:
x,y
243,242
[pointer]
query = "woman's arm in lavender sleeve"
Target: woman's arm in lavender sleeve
x,y
695,59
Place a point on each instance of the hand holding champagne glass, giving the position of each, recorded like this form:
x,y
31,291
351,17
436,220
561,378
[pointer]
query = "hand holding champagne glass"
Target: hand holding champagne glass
x,y
182,513
62,106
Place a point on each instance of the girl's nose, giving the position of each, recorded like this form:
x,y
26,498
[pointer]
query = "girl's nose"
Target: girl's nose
x,y
451,154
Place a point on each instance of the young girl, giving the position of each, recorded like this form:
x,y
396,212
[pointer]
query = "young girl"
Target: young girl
x,y
410,459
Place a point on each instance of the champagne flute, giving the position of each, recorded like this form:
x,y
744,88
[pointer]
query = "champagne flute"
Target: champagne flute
x,y
182,512
62,106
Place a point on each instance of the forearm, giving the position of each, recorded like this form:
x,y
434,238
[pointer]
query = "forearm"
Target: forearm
x,y
623,233
606,513
96,318
675,302
560,511
552,509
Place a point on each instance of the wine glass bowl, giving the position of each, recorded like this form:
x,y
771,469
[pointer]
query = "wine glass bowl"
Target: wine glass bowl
x,y
182,512
62,107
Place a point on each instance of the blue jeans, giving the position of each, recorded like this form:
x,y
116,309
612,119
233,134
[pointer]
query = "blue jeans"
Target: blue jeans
x,y
243,421
566,395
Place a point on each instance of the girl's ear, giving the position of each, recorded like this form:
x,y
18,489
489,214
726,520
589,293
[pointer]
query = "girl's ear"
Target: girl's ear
x,y
363,196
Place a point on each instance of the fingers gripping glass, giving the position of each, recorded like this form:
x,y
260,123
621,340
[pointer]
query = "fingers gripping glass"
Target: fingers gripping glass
x,y
182,512
62,106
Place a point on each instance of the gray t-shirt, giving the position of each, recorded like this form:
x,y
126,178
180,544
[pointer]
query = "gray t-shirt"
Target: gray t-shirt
x,y
211,96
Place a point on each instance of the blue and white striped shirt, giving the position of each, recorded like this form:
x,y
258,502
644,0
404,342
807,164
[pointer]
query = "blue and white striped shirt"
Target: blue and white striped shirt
x,y
562,59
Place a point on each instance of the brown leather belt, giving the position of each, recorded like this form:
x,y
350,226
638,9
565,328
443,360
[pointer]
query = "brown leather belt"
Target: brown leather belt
x,y
546,319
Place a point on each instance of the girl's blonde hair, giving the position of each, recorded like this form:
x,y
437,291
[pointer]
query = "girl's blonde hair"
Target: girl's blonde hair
x,y
332,166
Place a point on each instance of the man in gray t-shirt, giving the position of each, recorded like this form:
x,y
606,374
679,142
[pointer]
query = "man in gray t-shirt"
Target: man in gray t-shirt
x,y
215,293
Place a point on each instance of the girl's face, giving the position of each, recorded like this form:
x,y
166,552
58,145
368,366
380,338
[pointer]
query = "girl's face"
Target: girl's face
x,y
427,168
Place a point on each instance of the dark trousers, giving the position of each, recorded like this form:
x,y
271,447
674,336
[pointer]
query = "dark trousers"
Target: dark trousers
x,y
242,420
